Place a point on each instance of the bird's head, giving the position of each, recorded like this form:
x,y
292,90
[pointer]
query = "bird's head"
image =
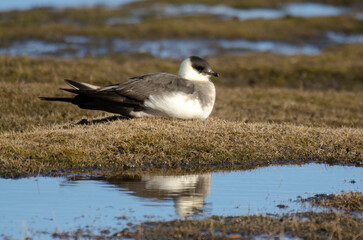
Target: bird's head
x,y
197,69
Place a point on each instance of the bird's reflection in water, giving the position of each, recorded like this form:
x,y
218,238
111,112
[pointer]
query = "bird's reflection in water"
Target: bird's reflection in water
x,y
187,191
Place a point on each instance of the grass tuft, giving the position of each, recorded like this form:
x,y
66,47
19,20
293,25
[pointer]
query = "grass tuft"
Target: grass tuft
x,y
351,201
300,225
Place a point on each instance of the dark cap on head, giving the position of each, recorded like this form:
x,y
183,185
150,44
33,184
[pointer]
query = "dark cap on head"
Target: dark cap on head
x,y
202,66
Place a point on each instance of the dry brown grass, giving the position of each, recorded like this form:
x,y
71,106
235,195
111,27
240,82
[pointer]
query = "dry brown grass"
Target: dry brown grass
x,y
337,68
302,225
279,105
167,143
351,201
21,108
314,91
55,25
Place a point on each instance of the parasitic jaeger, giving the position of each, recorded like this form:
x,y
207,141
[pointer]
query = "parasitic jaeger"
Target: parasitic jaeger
x,y
190,95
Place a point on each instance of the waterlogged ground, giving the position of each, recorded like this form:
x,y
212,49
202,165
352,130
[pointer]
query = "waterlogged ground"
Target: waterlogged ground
x,y
291,9
40,206
85,44
81,46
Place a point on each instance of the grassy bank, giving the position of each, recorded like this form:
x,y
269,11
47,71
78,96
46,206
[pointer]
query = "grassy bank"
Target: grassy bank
x,y
301,225
167,144
305,225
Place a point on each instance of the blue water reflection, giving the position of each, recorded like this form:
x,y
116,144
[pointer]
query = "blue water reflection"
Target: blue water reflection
x,y
28,4
305,10
344,39
33,205
299,9
75,47
313,10
82,46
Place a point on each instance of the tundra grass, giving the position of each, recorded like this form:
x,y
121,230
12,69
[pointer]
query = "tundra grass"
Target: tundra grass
x,y
246,4
55,25
338,68
21,109
261,3
173,144
318,91
300,225
270,109
349,201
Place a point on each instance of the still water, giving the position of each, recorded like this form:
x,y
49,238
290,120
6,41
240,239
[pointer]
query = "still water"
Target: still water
x,y
162,48
28,4
43,205
82,46
305,10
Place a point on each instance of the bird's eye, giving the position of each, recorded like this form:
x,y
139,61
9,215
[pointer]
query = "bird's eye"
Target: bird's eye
x,y
199,68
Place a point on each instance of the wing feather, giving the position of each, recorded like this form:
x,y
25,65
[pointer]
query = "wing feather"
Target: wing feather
x,y
141,87
137,90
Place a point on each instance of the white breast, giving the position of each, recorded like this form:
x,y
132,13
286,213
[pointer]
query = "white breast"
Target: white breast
x,y
179,105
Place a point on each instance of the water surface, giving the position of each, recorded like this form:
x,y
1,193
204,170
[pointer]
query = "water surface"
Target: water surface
x,y
344,39
29,4
35,205
305,10
82,46
299,9
182,48
163,48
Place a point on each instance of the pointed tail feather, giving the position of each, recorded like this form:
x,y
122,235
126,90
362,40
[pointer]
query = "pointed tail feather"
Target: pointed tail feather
x,y
80,85
72,90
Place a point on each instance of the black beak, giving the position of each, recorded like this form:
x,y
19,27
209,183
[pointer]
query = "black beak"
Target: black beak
x,y
214,74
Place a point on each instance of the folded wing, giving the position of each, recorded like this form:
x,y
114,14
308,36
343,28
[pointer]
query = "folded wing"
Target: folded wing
x,y
125,98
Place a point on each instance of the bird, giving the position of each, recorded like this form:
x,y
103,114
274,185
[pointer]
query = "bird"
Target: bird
x,y
189,95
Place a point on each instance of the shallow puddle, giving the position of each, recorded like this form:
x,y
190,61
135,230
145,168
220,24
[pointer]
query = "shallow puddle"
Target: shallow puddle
x,y
82,46
298,9
181,48
78,46
294,10
29,4
344,39
35,206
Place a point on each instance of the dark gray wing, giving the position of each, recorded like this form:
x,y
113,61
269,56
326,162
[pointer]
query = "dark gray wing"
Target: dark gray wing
x,y
141,87
126,97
